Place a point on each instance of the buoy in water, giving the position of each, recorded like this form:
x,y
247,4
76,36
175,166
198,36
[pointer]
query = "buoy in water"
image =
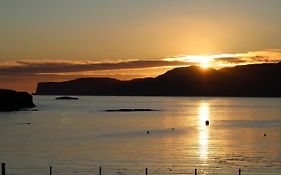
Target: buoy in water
x,y
207,122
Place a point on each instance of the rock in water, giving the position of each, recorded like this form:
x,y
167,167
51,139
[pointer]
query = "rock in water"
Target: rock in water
x,y
130,110
67,98
11,100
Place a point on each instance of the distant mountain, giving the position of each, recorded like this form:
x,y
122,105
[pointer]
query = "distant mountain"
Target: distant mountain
x,y
257,80
81,86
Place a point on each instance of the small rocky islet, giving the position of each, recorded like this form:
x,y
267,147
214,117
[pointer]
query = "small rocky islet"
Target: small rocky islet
x,y
66,98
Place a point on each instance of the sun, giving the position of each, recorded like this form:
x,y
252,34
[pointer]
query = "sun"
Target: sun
x,y
204,65
203,61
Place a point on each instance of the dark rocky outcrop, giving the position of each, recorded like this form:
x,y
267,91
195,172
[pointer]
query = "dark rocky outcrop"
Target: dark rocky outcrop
x,y
67,98
257,80
11,100
130,110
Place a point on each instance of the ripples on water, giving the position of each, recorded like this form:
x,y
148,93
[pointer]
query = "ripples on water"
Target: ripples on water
x,y
76,137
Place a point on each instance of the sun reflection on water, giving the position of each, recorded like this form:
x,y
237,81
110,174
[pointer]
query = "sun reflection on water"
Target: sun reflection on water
x,y
203,137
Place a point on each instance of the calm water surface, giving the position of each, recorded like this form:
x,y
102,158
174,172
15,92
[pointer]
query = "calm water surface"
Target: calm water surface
x,y
76,137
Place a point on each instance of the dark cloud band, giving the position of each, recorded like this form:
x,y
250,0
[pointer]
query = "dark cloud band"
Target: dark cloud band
x,y
31,67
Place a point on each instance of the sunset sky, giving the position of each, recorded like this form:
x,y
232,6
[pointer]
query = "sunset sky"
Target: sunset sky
x,y
55,40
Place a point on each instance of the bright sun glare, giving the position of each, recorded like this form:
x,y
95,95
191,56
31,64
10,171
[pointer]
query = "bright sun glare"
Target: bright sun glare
x,y
205,61
203,130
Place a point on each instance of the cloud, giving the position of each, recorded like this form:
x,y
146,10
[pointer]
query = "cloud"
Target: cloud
x,y
43,67
267,56
232,60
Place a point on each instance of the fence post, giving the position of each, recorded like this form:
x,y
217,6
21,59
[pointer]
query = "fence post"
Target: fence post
x,y
146,171
100,170
3,168
50,170
195,171
239,171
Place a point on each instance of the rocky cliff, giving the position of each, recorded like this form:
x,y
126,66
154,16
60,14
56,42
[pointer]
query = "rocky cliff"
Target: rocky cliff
x,y
11,100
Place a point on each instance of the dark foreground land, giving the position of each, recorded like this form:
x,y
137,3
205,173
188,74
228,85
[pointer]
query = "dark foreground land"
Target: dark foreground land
x,y
259,80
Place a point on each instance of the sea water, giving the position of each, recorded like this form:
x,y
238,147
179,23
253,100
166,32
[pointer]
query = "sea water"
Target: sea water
x,y
79,136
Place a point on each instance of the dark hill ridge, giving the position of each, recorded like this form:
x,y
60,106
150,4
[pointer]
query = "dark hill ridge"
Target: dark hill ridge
x,y
259,80
81,86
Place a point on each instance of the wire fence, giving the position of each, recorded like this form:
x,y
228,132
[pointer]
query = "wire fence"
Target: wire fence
x,y
98,170
75,169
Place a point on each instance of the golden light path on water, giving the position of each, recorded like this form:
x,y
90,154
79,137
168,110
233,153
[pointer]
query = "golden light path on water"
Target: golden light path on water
x,y
203,133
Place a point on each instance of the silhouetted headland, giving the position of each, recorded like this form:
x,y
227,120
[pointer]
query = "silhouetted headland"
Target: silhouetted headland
x,y
256,80
11,100
67,98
